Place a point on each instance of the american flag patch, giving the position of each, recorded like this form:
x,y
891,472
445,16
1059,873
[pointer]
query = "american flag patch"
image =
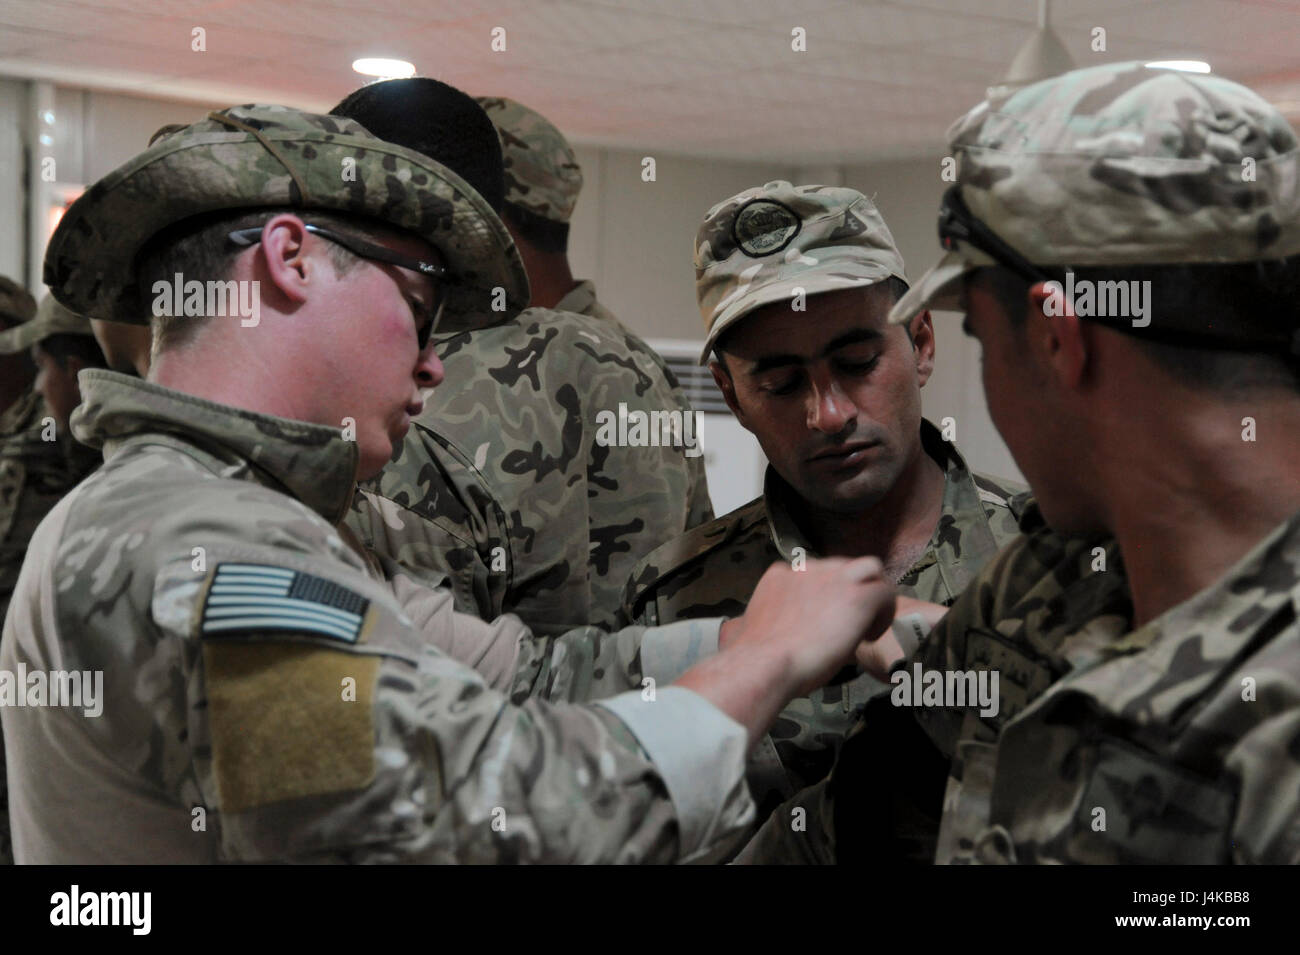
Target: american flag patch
x,y
265,597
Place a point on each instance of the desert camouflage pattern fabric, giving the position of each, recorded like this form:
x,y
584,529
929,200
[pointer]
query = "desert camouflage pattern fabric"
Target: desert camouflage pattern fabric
x,y
542,171
1175,742
258,156
503,486
766,244
714,569
1121,164
230,738
34,475
51,318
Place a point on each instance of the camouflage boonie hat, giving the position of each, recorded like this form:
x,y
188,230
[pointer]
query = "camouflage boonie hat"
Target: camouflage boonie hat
x,y
1122,165
16,303
542,172
250,157
51,319
761,245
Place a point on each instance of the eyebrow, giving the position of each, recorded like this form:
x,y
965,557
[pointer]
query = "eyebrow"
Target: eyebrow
x,y
853,337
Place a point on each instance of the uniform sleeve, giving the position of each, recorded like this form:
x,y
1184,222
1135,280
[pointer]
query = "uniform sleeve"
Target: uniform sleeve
x,y
324,726
582,664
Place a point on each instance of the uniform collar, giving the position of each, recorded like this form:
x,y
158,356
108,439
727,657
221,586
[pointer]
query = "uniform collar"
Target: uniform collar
x,y
581,298
962,526
310,462
962,541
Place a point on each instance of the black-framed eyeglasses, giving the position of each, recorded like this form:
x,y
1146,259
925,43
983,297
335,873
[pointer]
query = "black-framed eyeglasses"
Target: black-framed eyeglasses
x,y
377,253
957,224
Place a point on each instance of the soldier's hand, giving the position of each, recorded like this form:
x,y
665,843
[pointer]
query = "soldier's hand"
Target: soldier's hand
x,y
878,653
930,613
815,618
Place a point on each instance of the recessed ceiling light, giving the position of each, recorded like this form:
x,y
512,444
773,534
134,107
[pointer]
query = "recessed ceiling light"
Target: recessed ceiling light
x,y
388,69
1187,66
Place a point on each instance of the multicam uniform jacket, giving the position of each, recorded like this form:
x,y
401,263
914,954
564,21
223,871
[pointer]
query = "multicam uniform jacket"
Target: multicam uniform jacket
x,y
503,486
271,692
714,569
1176,742
34,475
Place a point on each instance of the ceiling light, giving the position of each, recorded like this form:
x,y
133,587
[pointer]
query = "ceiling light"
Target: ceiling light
x,y
384,68
1187,66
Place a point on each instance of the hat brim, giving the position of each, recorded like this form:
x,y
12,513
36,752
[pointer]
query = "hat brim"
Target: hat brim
x,y
19,338
831,277
941,287
90,261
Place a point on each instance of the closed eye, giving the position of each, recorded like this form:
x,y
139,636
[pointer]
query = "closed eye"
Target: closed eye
x,y
859,367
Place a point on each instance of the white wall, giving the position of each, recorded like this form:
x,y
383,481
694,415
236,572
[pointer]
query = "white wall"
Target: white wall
x,y
94,132
13,106
634,239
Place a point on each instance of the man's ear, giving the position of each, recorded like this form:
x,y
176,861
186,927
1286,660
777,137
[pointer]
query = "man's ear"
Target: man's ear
x,y
922,329
1056,333
728,389
285,257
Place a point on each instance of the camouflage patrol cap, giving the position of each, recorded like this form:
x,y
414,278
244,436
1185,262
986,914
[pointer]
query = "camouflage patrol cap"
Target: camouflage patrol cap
x,y
763,244
1122,164
250,157
51,319
542,172
16,303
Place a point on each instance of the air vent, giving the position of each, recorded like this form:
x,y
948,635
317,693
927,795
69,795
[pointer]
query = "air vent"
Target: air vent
x,y
696,379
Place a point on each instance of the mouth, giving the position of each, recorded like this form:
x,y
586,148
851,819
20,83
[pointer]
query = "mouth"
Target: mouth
x,y
845,455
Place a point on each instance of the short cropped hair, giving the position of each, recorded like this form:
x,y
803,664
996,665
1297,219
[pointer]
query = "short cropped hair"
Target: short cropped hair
x,y
545,235
1220,290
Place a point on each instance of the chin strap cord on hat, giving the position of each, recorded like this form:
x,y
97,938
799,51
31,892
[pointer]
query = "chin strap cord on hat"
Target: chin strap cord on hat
x,y
230,121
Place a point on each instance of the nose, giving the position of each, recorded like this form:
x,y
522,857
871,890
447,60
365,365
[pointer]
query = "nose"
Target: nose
x,y
428,370
831,410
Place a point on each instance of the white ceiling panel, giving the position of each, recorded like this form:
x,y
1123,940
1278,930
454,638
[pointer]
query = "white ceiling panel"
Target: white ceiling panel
x,y
879,78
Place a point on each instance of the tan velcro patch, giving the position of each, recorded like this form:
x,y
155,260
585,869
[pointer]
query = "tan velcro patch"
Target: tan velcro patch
x,y
285,724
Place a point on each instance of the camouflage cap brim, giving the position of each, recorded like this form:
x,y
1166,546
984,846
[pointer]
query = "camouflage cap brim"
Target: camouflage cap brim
x,y
51,319
831,277
253,157
939,288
